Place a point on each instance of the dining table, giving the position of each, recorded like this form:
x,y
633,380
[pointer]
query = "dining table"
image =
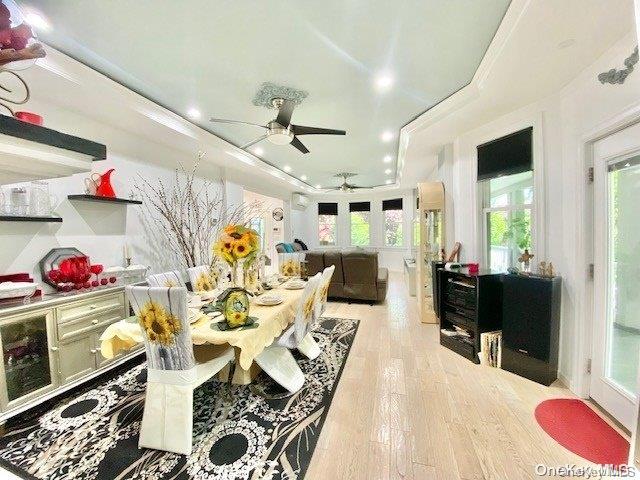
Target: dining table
x,y
208,338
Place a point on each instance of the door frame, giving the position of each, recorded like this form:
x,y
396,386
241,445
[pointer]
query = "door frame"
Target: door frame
x,y
584,251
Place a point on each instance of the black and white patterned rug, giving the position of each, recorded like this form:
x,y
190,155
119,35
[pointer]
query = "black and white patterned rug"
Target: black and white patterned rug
x,y
94,434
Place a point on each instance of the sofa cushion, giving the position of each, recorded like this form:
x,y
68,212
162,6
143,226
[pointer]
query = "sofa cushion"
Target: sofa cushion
x,y
315,262
301,243
360,274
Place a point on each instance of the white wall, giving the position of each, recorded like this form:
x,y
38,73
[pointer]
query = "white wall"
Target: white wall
x,y
562,124
98,230
305,224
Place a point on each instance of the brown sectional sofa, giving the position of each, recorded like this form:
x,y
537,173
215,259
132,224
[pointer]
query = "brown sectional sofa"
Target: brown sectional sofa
x,y
357,275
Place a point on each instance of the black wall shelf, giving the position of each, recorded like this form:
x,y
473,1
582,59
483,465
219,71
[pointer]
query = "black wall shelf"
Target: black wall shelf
x,y
46,136
28,218
96,198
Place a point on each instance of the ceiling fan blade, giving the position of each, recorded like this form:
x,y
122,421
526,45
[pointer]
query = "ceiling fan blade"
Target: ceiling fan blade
x,y
222,120
259,139
285,112
302,130
299,145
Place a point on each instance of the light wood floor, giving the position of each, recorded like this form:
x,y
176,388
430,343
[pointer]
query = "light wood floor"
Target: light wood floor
x,y
407,408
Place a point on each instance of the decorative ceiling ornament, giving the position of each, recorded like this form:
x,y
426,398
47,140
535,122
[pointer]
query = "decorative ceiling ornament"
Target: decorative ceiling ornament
x,y
615,76
268,91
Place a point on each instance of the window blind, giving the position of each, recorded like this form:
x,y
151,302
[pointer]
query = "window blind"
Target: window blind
x,y
393,204
360,206
327,209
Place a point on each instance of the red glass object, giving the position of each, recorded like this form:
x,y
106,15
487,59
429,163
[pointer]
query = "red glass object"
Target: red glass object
x,y
112,279
96,269
104,281
474,267
103,184
95,283
30,117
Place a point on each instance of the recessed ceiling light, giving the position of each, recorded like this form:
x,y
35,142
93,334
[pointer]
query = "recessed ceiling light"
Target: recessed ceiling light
x,y
287,168
566,43
387,136
194,113
37,21
384,82
303,178
387,171
389,182
258,151
318,186
387,159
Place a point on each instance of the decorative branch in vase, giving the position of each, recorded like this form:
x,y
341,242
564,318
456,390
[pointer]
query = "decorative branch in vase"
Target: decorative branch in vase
x,y
185,215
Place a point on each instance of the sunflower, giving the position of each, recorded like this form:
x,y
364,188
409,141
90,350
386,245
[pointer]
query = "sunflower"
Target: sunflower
x,y
203,283
160,326
289,268
325,292
242,247
223,248
308,305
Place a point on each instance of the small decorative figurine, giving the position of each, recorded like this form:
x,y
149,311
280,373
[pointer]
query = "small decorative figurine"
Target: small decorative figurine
x,y
550,272
234,305
525,259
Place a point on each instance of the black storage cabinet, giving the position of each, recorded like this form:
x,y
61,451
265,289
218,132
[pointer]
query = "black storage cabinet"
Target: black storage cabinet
x,y
531,326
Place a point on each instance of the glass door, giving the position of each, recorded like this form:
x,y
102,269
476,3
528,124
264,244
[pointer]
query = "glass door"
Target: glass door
x,y
28,363
616,345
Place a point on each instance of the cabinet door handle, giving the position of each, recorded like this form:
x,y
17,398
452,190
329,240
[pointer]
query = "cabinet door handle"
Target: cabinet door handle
x,y
526,352
54,349
94,351
92,307
95,322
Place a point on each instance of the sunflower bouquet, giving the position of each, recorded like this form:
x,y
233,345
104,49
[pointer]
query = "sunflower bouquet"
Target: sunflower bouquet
x,y
237,242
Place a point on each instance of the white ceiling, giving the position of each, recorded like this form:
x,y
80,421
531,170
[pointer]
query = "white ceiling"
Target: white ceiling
x,y
541,46
214,55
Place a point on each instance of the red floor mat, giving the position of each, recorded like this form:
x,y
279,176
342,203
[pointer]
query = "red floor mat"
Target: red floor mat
x,y
578,428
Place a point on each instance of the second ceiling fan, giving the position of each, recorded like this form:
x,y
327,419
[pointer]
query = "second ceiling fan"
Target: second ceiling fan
x,y
281,131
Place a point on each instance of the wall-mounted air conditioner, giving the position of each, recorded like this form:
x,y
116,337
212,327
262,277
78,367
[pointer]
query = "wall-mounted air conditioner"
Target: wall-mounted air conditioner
x,y
300,201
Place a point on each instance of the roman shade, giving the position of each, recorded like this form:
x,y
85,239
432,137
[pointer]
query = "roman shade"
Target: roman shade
x,y
327,209
360,206
507,155
393,204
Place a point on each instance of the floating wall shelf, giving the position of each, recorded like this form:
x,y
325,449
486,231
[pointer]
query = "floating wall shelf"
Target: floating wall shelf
x,y
96,198
29,218
30,152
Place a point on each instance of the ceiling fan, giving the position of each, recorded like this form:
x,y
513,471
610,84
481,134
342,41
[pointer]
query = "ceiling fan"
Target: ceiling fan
x,y
346,186
281,131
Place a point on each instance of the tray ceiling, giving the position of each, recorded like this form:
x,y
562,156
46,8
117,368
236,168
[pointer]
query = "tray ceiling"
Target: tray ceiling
x,y
214,56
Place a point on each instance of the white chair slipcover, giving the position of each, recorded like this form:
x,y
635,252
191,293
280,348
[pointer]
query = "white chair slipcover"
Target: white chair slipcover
x,y
166,279
172,372
277,360
201,279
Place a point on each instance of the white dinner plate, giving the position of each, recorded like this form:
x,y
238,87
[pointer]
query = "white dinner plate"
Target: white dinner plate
x,y
294,285
269,300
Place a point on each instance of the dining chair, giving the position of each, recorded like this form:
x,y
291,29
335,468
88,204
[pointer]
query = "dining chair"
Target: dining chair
x,y
201,278
276,360
166,279
172,371
307,345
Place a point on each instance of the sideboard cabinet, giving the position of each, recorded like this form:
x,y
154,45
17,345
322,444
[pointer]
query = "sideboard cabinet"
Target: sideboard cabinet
x,y
53,344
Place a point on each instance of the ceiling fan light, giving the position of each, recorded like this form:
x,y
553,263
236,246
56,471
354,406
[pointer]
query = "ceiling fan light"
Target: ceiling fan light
x,y
284,138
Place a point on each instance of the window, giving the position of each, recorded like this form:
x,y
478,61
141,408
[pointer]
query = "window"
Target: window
x,y
327,224
507,212
392,211
257,224
360,213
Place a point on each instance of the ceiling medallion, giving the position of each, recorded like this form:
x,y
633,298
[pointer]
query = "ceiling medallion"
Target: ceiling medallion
x,y
268,91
